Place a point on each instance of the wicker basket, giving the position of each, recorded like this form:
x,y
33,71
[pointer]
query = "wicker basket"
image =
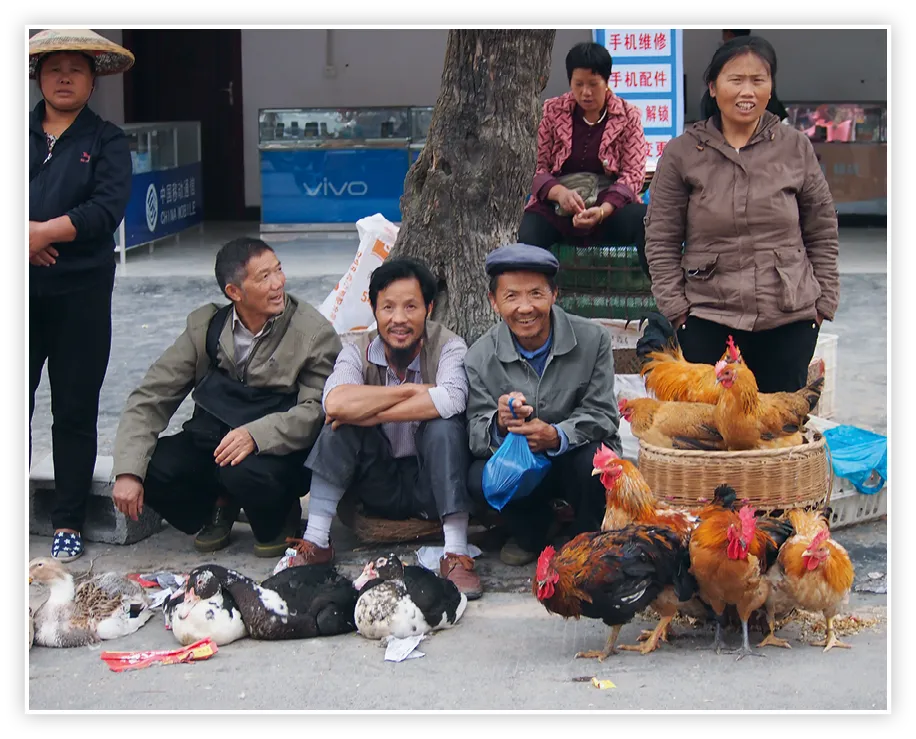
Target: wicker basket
x,y
371,530
771,480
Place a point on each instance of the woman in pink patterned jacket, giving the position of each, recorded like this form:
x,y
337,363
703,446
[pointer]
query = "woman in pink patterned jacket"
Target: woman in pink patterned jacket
x,y
591,163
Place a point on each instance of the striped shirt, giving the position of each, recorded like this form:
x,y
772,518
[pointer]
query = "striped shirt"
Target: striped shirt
x,y
450,395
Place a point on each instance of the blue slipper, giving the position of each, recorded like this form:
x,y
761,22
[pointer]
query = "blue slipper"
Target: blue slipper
x,y
67,546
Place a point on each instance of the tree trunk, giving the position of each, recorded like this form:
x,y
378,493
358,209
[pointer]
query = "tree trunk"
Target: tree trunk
x,y
465,194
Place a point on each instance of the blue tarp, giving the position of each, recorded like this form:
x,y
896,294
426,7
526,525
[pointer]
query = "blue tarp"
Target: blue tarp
x,y
857,454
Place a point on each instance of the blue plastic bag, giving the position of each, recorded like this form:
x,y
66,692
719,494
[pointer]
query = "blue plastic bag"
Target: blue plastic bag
x,y
513,471
857,454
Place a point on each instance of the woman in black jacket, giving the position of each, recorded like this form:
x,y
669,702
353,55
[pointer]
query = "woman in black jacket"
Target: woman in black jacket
x,y
79,185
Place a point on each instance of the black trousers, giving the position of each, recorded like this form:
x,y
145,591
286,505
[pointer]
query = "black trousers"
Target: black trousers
x,y
779,357
431,485
183,483
625,227
72,333
570,478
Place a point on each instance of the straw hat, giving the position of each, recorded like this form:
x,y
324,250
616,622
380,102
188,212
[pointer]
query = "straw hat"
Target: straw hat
x,y
110,58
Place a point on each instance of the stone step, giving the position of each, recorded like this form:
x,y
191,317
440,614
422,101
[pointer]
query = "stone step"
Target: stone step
x,y
104,522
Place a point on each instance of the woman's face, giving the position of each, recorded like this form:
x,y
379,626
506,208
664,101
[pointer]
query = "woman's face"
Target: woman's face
x,y
742,89
66,80
589,89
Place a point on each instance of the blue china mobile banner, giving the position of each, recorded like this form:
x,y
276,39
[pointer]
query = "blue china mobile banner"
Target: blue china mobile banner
x,y
163,202
648,71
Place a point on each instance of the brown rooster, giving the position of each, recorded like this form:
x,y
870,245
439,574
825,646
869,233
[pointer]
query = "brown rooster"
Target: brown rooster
x,y
672,425
610,575
730,554
812,572
667,374
630,500
748,419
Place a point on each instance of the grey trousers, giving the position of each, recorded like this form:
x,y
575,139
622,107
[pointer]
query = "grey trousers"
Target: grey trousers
x,y
431,485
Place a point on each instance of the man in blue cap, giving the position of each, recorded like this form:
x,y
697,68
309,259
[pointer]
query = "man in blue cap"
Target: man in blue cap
x,y
557,370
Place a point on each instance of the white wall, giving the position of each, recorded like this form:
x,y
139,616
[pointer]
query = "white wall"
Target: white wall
x,y
108,98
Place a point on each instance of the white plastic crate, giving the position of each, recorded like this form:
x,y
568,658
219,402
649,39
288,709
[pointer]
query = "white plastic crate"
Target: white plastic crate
x,y
848,506
826,349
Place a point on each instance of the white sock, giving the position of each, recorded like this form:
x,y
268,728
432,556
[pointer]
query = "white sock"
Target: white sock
x,y
323,499
455,529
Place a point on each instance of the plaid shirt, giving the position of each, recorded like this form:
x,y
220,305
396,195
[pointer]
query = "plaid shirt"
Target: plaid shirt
x,y
450,395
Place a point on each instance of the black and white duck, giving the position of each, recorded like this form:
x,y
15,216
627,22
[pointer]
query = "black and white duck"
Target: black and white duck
x,y
192,616
103,607
296,603
401,601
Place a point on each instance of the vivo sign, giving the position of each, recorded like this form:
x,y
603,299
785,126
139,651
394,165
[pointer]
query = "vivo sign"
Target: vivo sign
x,y
325,188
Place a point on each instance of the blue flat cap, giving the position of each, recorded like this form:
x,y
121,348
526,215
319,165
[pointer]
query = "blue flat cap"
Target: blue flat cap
x,y
521,258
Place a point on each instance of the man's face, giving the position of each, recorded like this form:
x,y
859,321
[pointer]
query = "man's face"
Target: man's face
x,y
524,300
262,291
401,317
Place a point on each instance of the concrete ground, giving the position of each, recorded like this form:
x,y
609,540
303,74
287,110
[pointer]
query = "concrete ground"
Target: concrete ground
x,y
508,652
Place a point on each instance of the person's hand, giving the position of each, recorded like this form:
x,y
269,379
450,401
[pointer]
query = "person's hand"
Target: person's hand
x,y
128,495
568,200
504,414
819,319
235,446
41,253
541,436
588,218
679,322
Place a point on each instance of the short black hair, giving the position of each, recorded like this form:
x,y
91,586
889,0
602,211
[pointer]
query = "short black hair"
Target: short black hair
x,y
233,257
591,56
737,31
551,281
402,268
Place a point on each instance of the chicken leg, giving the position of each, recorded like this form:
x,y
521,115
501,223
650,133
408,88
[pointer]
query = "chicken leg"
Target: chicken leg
x,y
652,642
609,648
745,649
830,641
771,639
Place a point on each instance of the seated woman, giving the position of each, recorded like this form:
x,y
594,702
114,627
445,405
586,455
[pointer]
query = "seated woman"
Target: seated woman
x,y
591,163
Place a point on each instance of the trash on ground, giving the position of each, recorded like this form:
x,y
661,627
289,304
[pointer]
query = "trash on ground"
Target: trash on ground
x,y
602,684
400,649
122,661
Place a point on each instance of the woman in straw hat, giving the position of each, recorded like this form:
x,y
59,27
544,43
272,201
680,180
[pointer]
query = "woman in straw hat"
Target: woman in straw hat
x,y
79,185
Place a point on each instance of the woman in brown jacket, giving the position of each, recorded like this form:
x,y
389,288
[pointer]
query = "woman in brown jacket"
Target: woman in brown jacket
x,y
741,231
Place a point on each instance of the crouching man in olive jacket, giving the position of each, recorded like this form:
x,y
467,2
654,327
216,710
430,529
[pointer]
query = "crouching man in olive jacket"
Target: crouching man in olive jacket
x,y
255,369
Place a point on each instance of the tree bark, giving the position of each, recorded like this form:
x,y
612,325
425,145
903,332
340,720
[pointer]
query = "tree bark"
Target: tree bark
x,y
465,194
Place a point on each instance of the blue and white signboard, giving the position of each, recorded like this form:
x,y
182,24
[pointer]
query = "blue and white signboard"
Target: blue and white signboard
x,y
162,202
331,185
648,71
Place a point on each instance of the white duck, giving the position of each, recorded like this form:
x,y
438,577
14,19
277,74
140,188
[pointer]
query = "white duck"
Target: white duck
x,y
104,607
200,609
401,601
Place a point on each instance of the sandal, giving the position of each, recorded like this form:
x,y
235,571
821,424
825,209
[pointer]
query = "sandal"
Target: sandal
x,y
67,545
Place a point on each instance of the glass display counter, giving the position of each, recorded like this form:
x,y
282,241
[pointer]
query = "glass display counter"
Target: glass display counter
x,y
327,167
850,140
166,188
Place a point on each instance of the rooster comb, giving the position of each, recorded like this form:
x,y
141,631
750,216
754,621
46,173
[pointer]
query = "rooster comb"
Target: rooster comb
x,y
748,522
819,538
603,457
733,354
544,562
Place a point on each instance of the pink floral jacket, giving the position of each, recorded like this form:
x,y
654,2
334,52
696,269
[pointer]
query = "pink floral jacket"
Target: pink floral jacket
x,y
622,150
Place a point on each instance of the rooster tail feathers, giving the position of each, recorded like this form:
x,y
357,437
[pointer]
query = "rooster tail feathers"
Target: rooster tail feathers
x,y
725,496
658,336
813,392
685,584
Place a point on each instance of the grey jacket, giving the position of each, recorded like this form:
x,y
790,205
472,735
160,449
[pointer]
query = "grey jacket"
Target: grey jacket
x,y
297,352
759,226
576,391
